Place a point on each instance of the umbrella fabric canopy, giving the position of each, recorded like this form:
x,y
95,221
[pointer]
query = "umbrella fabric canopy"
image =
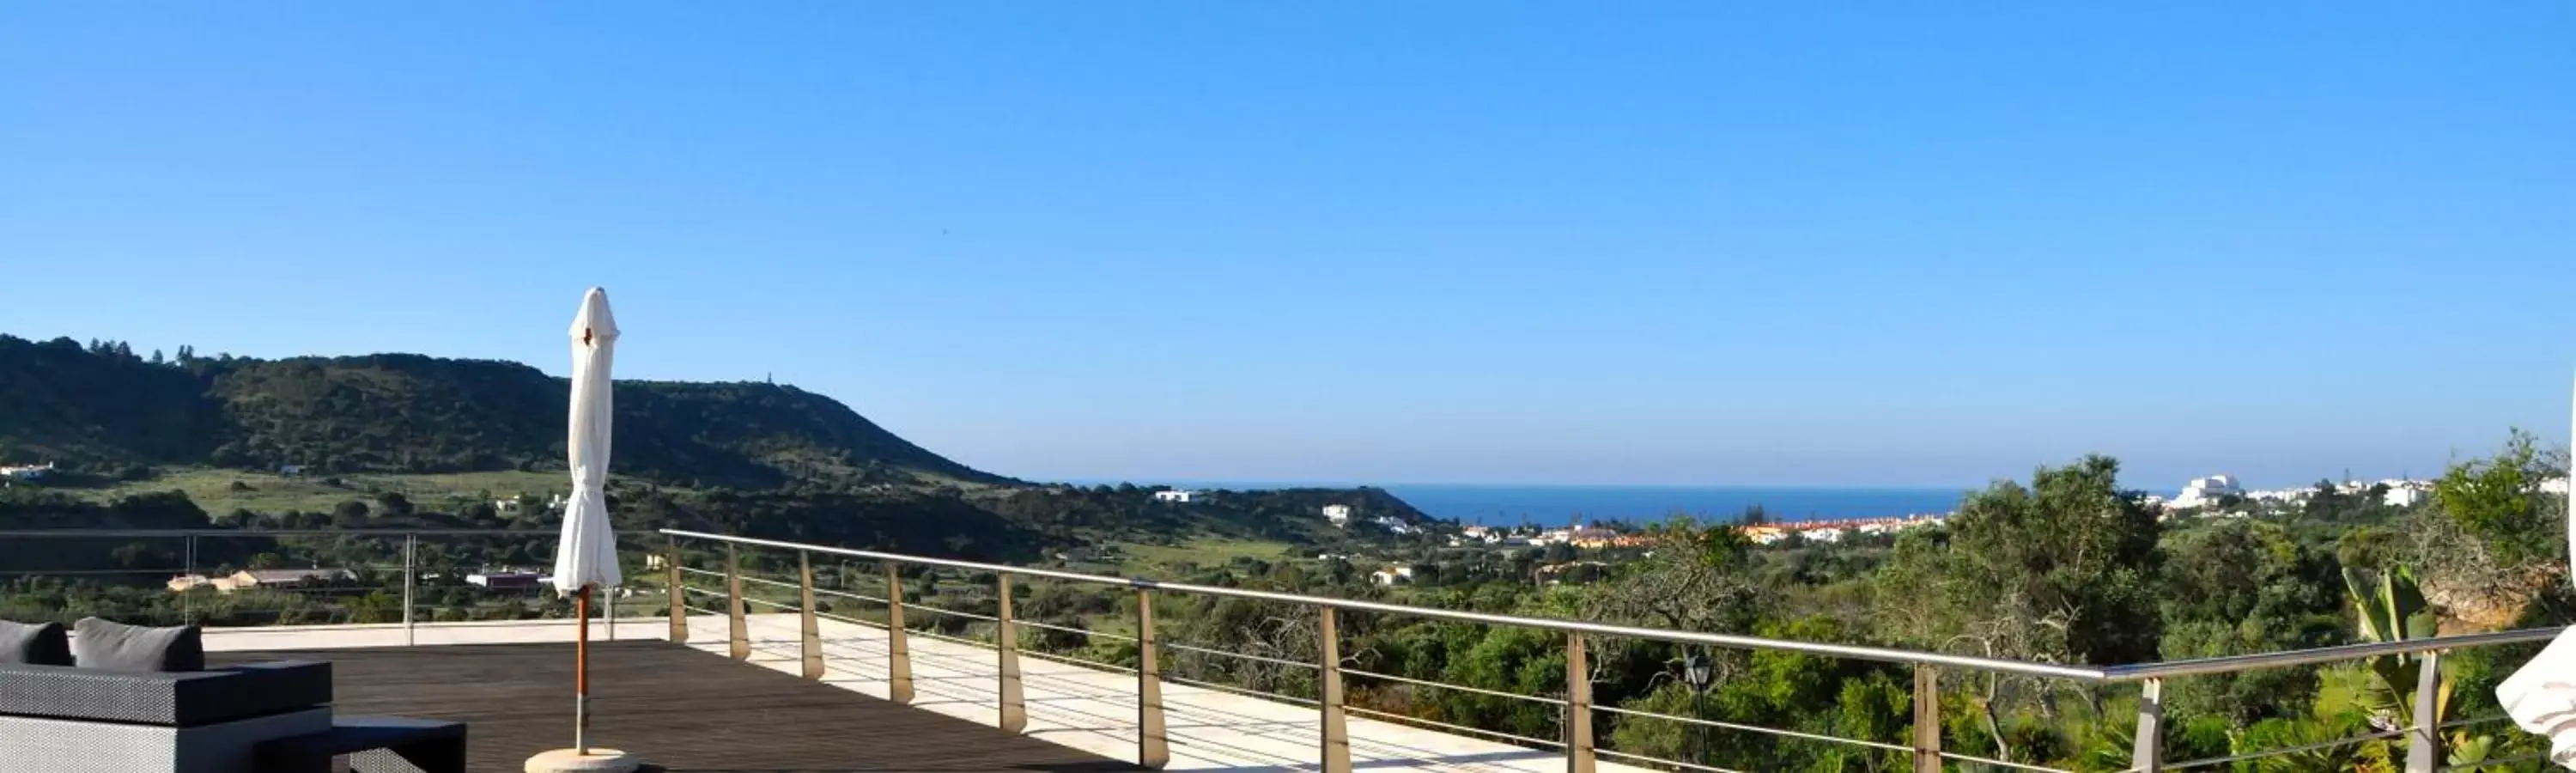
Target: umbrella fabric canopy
x,y
588,553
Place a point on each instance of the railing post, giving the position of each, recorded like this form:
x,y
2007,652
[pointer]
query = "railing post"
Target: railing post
x,y
809,626
1006,640
1337,732
2424,739
187,599
411,573
1927,719
1578,706
739,641
2150,743
898,659
1153,746
679,596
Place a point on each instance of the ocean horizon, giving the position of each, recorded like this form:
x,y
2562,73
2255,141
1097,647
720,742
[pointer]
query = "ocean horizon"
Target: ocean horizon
x,y
1549,505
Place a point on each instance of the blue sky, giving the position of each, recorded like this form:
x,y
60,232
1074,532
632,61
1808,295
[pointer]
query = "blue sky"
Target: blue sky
x,y
1733,243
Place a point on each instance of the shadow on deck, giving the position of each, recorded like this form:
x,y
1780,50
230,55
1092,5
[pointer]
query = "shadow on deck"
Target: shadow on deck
x,y
676,708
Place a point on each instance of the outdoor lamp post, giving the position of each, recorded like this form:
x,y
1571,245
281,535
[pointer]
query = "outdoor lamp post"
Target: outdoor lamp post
x,y
1695,670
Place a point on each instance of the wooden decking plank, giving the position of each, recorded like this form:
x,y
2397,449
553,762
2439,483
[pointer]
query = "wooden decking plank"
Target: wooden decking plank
x,y
677,708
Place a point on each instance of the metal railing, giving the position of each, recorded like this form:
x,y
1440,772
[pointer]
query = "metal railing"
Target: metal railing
x,y
184,553
351,576
1576,739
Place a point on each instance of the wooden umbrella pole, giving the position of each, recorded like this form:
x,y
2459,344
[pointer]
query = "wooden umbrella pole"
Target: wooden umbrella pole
x,y
581,674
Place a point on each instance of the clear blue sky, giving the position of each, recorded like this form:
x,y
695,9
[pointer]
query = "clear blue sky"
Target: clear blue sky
x,y
1749,243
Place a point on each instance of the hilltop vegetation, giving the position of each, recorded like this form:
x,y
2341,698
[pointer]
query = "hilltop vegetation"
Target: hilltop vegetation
x,y
395,441
103,408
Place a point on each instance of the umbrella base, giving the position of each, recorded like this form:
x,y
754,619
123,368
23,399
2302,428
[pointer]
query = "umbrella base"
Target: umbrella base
x,y
567,761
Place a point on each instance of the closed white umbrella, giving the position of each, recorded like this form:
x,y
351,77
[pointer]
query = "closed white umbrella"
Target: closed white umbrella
x,y
586,558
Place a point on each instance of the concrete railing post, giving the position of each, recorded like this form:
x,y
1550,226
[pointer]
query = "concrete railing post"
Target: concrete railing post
x,y
1337,731
898,658
810,627
739,640
2424,739
1153,744
1927,719
2149,755
679,596
1012,701
411,580
1578,706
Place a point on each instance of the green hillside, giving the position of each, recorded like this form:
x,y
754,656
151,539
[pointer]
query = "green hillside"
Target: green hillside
x,y
103,408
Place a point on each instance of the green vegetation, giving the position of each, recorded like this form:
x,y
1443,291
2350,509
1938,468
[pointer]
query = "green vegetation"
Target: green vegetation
x,y
223,491
1144,560
106,411
2065,567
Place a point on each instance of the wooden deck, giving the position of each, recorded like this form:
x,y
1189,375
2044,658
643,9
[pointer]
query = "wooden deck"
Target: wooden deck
x,y
676,708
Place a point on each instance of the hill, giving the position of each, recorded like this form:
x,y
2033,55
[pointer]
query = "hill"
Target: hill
x,y
102,408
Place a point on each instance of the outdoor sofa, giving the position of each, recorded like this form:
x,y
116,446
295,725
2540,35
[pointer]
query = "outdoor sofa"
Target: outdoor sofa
x,y
104,697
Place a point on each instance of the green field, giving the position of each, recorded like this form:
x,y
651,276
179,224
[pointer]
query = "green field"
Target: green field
x,y
213,489
1156,561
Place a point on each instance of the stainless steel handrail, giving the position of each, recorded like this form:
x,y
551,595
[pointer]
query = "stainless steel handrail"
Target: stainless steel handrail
x,y
1577,703
1568,626
95,533
2234,663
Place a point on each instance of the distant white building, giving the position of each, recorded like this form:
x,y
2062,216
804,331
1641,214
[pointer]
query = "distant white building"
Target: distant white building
x,y
2409,493
1394,524
507,578
1393,575
1340,515
1175,495
27,471
2205,492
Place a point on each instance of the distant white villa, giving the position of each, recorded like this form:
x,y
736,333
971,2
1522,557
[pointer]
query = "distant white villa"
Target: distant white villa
x,y
1340,515
27,471
1175,495
2205,492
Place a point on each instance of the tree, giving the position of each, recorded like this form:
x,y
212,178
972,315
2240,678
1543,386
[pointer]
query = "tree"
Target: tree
x,y
2498,500
2493,541
2237,587
1698,578
2061,571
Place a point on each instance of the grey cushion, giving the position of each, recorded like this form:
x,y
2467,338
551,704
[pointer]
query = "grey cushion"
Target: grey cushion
x,y
43,644
114,646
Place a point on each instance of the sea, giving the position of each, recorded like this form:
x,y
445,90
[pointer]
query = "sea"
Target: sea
x,y
1555,505
1509,505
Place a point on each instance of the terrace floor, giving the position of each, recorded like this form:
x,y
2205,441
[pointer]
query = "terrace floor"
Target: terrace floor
x,y
678,708
691,708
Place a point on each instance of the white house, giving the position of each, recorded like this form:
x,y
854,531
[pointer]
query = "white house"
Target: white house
x,y
2205,492
1393,575
2407,493
1340,515
27,471
1175,495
